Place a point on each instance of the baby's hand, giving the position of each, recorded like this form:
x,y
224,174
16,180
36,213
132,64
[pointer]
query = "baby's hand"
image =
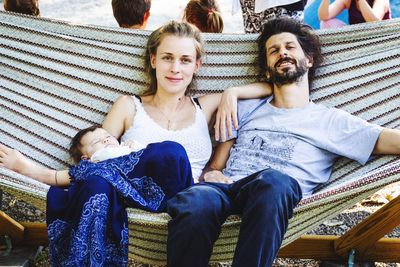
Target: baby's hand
x,y
130,143
134,145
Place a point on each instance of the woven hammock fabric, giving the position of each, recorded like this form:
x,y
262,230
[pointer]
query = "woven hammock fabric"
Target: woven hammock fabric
x,y
57,78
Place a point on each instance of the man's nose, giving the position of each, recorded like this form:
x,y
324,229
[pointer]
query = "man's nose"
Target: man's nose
x,y
283,53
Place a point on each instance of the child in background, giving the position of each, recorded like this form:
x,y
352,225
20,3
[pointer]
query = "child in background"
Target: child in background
x,y
131,14
205,15
360,11
29,7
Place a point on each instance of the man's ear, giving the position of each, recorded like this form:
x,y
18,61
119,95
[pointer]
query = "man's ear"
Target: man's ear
x,y
267,75
310,61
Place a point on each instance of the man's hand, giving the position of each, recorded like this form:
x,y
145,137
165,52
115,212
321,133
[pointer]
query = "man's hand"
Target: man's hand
x,y
216,176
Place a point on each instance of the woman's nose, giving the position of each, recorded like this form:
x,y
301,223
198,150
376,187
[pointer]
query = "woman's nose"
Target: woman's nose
x,y
175,68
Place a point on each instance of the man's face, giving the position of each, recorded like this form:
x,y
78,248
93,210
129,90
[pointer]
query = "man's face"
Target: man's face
x,y
286,61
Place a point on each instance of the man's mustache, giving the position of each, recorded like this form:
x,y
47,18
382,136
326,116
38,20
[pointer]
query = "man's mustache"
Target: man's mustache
x,y
285,59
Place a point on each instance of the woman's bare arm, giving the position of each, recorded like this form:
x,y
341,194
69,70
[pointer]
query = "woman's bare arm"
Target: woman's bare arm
x,y
120,116
227,105
12,159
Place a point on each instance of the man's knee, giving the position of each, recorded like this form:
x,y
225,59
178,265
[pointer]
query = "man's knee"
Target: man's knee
x,y
197,203
277,183
274,192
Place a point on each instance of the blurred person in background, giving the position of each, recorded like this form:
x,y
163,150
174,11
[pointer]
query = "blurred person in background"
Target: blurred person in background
x,y
257,12
132,14
29,7
205,15
360,11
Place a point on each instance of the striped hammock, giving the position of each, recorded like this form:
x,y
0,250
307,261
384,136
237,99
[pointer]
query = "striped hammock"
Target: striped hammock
x,y
57,78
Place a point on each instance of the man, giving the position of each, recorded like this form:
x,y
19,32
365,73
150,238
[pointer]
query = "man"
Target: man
x,y
132,14
285,146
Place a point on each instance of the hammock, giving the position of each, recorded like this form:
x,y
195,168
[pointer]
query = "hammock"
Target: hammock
x,y
57,78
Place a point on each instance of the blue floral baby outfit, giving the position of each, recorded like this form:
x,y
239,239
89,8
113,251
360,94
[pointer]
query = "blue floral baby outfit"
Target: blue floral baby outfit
x,y
87,222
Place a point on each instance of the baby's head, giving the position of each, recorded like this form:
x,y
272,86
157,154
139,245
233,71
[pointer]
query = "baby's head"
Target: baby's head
x,y
87,141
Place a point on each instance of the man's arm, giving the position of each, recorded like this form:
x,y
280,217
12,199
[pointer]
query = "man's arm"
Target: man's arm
x,y
388,142
212,173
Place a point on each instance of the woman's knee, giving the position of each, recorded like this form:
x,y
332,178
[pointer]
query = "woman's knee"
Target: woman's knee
x,y
168,150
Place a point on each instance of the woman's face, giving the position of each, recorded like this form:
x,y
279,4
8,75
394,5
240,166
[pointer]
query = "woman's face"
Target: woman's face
x,y
175,63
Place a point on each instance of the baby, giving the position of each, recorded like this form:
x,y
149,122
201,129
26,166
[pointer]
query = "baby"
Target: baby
x,y
146,177
96,144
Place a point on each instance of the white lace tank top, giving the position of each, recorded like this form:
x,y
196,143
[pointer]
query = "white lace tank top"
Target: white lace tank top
x,y
194,138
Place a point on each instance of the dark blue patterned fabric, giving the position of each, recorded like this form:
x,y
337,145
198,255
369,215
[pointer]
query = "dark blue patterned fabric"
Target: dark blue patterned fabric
x,y
87,222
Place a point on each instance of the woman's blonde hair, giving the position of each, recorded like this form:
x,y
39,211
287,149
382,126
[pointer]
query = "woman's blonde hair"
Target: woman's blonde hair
x,y
180,29
205,14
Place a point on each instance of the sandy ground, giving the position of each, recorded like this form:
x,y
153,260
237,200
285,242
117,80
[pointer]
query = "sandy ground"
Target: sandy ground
x,y
336,226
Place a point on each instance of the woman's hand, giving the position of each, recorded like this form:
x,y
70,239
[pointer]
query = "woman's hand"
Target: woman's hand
x,y
226,114
12,159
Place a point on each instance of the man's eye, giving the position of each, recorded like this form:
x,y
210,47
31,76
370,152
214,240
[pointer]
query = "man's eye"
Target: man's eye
x,y
167,58
186,60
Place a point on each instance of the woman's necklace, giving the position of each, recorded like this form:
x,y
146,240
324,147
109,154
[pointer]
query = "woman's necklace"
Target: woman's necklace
x,y
170,120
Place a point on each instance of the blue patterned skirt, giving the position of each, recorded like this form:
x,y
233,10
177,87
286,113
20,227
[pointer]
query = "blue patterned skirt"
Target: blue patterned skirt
x,y
87,222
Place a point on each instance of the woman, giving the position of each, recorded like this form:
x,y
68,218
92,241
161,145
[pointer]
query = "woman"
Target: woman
x,y
88,224
360,11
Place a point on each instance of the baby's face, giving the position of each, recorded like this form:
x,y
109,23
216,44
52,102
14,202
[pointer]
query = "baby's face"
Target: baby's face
x,y
96,140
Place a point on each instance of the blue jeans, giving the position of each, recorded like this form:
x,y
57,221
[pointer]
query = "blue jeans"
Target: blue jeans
x,y
265,201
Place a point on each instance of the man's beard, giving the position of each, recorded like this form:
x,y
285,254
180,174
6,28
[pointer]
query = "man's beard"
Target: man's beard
x,y
288,76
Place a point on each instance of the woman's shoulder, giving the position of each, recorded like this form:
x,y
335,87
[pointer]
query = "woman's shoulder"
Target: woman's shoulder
x,y
125,104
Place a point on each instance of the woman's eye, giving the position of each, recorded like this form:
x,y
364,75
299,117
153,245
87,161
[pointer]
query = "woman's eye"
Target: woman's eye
x,y
186,61
167,58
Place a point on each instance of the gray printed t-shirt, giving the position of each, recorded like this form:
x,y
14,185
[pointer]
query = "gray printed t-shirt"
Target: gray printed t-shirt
x,y
301,142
